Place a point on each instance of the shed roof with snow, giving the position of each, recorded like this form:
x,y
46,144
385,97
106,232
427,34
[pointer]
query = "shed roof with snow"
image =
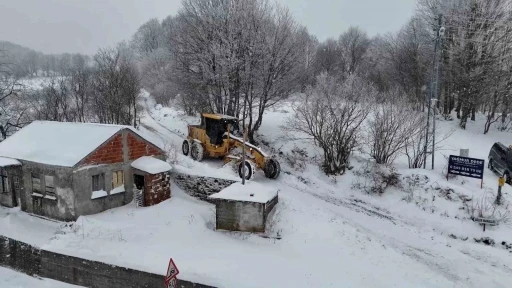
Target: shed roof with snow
x,y
151,165
58,143
5,162
250,192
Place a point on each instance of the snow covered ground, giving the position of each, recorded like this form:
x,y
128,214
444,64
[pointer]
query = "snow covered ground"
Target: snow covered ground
x,y
332,235
12,279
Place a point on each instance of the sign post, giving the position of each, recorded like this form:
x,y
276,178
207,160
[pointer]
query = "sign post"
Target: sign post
x,y
464,152
170,278
501,183
465,166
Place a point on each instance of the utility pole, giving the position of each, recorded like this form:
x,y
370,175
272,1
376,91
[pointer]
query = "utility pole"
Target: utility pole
x,y
439,40
243,142
433,91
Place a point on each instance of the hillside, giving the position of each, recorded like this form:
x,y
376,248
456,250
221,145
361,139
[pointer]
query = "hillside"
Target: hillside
x,y
12,48
332,234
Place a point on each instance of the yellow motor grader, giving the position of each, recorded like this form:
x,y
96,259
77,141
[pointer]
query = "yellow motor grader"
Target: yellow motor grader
x,y
215,137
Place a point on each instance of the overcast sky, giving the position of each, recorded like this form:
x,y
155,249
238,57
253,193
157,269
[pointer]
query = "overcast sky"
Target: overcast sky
x,y
56,26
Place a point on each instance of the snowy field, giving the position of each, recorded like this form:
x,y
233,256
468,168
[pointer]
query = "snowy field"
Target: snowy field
x,y
12,279
331,234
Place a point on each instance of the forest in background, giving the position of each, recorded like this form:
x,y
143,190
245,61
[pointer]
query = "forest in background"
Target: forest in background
x,y
243,57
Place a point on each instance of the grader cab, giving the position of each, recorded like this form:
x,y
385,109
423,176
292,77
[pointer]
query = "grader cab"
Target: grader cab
x,y
218,136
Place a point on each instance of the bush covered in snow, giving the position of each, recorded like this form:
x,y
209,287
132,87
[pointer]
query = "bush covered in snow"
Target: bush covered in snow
x,y
485,207
391,128
376,179
332,113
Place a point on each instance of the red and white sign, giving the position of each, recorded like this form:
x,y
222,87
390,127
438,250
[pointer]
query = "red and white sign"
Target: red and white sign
x,y
172,272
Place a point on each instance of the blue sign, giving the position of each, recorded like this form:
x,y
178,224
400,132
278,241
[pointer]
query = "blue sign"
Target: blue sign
x,y
465,166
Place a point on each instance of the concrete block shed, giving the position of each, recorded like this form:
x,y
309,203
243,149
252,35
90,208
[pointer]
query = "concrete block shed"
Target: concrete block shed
x,y
152,179
244,207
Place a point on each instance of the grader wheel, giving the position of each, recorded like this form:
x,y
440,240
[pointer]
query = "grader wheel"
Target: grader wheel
x,y
249,170
197,151
272,168
185,147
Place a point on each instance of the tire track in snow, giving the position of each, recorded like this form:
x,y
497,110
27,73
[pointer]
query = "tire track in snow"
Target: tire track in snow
x,y
428,258
353,204
148,112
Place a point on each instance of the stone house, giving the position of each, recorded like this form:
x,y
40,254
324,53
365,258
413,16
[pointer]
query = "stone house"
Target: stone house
x,y
63,170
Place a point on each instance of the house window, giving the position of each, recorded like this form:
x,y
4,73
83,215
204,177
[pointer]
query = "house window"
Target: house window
x,y
36,183
4,187
117,179
49,185
98,182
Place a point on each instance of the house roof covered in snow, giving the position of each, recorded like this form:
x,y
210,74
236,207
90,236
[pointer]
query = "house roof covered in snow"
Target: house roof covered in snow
x,y
4,162
250,192
57,143
151,165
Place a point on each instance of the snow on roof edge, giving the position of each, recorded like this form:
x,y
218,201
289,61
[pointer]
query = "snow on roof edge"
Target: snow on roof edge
x,y
151,165
251,192
6,161
19,147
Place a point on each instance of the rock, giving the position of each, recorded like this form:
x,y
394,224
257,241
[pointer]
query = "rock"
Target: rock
x,y
485,240
200,186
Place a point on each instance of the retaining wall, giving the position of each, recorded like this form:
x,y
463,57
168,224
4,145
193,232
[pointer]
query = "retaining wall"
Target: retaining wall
x,y
34,261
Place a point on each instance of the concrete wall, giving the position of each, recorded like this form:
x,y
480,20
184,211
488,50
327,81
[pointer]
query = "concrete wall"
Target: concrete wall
x,y
33,261
63,207
199,186
242,215
82,185
6,198
19,256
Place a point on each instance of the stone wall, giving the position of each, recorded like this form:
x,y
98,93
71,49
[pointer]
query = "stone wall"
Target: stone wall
x,y
33,261
200,186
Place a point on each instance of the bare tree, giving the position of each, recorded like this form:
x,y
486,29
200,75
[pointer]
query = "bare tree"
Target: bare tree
x,y
116,86
332,115
232,55
328,58
52,102
148,37
353,44
391,126
80,85
10,88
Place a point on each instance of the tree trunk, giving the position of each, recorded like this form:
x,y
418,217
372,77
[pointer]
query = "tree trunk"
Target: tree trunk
x,y
457,109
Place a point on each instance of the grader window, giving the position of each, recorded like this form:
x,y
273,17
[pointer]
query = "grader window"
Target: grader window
x,y
214,130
